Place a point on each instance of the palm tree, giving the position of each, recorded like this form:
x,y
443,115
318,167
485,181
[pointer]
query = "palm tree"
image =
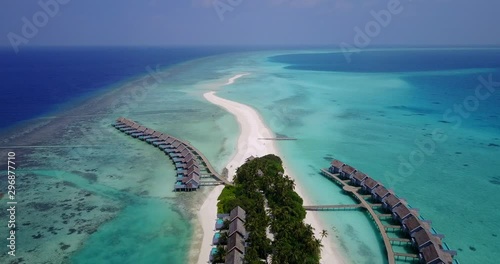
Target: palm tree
x,y
323,234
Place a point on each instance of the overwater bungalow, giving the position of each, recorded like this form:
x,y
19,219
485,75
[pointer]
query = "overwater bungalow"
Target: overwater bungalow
x,y
181,149
236,242
336,166
130,128
346,171
184,151
401,212
369,184
194,172
358,177
380,192
237,226
139,132
187,184
147,134
193,163
421,238
391,201
176,144
235,257
156,137
432,254
411,225
170,140
237,213
188,157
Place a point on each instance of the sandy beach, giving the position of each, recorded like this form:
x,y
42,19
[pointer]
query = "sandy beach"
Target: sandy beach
x,y
252,128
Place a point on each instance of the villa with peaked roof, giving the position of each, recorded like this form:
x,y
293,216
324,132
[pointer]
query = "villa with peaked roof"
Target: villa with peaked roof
x,y
391,201
401,212
346,171
358,177
433,254
369,184
412,225
336,166
237,226
235,257
421,238
237,213
380,192
236,242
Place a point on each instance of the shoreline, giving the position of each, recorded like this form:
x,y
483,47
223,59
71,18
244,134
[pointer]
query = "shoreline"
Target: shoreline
x,y
252,127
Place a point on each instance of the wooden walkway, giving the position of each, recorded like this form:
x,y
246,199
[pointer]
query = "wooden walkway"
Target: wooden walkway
x,y
335,207
198,154
353,191
278,138
406,256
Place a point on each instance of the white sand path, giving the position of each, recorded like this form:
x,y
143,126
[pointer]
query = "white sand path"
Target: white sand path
x,y
252,128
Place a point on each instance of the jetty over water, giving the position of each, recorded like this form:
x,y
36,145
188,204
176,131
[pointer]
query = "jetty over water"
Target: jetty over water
x,y
394,214
191,165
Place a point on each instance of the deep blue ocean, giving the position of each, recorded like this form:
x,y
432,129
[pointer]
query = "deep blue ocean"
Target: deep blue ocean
x,y
40,80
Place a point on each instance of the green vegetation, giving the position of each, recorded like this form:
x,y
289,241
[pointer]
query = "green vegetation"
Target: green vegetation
x,y
225,199
256,182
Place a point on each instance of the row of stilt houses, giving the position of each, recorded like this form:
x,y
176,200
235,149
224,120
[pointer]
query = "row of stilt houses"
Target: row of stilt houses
x,y
423,237
186,163
231,235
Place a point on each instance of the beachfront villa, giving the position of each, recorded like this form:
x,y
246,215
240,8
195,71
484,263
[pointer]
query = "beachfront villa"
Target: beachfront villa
x,y
237,213
235,257
236,235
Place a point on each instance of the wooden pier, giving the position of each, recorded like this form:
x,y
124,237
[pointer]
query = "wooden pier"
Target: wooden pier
x,y
353,191
336,207
278,138
405,256
364,188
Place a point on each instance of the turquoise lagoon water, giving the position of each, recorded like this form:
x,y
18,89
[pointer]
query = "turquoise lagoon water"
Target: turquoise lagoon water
x,y
118,195
372,119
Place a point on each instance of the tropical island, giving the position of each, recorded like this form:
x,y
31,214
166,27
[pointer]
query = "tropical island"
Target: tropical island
x,y
274,214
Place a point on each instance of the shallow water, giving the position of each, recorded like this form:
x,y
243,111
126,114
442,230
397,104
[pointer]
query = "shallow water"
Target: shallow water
x,y
366,119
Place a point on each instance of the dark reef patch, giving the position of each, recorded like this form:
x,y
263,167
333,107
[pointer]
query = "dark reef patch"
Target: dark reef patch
x,y
91,177
41,206
412,109
493,145
495,180
472,248
328,158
